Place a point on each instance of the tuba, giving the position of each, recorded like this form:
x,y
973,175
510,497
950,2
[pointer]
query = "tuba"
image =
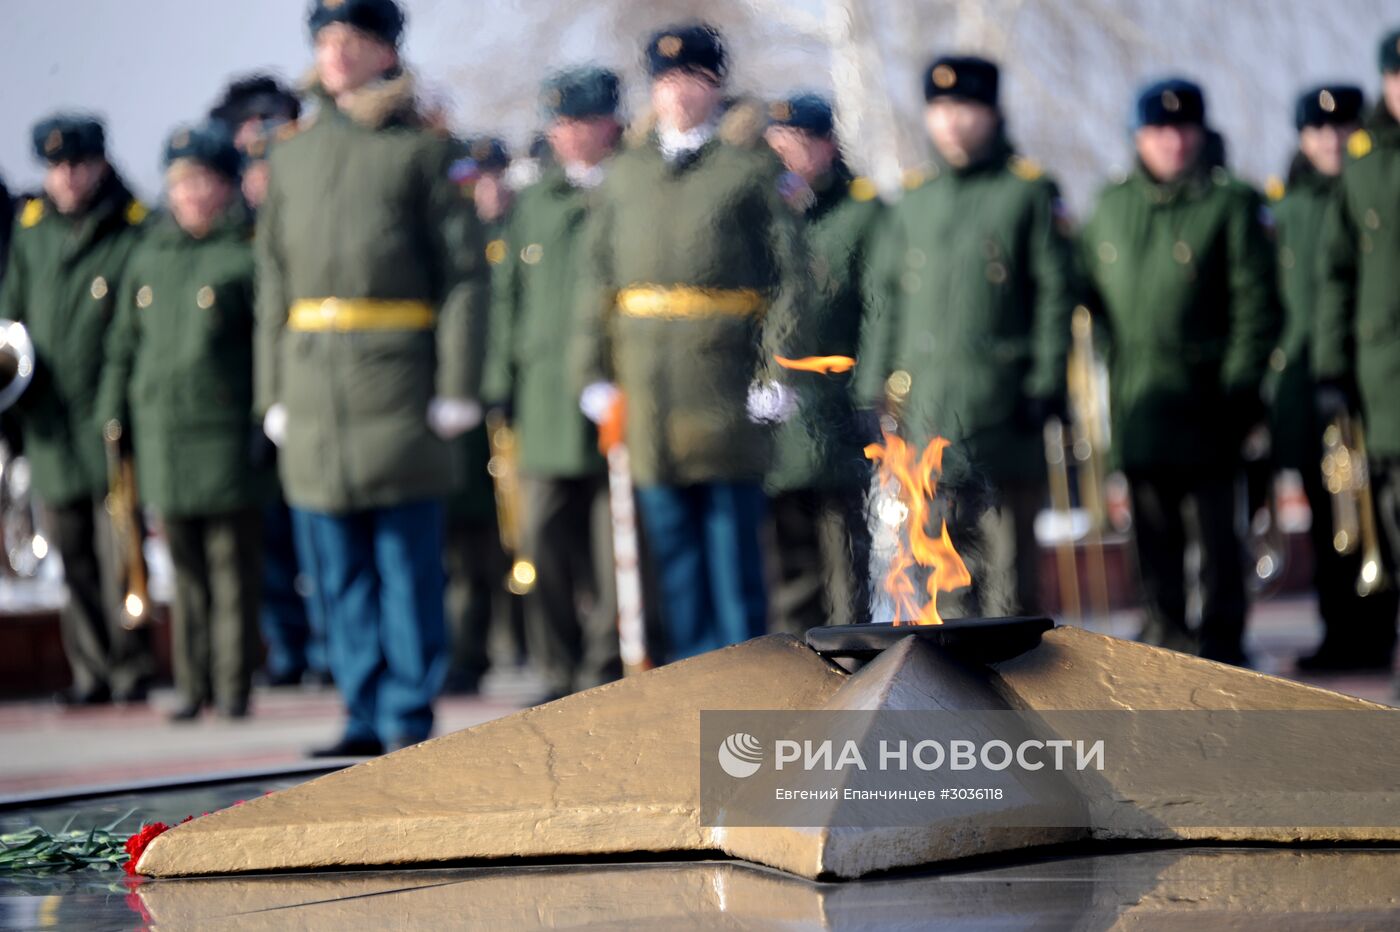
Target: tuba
x,y
505,478
1346,473
24,547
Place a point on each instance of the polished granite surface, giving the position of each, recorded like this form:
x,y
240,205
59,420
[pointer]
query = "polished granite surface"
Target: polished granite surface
x,y
1083,888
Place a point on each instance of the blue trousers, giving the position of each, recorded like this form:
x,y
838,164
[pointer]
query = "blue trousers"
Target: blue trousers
x,y
290,622
380,578
704,542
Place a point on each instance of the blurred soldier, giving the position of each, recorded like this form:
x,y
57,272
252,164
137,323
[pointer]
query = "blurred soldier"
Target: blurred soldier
x,y
1356,340
974,281
256,109
477,564
179,372
818,481
571,612
371,291
695,266
1181,257
68,255
1358,631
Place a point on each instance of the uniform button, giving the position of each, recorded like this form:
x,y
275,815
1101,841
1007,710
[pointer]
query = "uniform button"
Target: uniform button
x,y
99,288
915,258
1107,253
532,254
991,250
1278,359
910,282
144,296
996,273
1181,252
205,298
898,383
1373,219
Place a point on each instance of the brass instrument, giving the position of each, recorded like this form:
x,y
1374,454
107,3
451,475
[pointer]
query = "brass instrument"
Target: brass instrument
x,y
1088,403
1058,468
23,546
123,508
505,477
1258,503
1346,473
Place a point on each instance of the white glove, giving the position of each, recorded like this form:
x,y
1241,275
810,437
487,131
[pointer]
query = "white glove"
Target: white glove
x,y
452,417
597,400
275,424
771,403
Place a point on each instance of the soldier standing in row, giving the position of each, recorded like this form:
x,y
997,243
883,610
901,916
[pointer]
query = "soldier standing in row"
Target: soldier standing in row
x,y
694,270
1358,631
571,612
179,374
1356,341
974,290
817,485
372,286
69,253
256,109
1181,259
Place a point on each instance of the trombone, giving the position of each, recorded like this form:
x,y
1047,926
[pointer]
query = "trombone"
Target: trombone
x,y
124,510
505,478
1347,475
1088,403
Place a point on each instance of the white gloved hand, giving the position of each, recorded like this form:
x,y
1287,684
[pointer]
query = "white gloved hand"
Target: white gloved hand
x,y
771,403
275,424
450,418
597,400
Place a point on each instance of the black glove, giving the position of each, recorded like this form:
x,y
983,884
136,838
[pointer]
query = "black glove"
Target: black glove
x,y
262,452
1334,397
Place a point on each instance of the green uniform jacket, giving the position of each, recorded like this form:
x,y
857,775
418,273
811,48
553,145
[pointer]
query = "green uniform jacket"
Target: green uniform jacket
x,y
62,285
534,286
1185,280
1298,215
1358,311
974,287
821,447
179,368
714,220
360,205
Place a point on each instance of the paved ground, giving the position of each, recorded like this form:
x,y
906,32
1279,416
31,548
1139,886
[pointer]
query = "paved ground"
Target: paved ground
x,y
49,748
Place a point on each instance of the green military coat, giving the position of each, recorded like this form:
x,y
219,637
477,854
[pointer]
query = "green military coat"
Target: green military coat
x,y
1298,217
361,205
62,285
1357,330
1184,278
974,288
714,220
534,288
179,368
821,446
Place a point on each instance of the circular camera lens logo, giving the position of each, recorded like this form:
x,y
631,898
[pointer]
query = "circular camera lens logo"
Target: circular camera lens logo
x,y
741,755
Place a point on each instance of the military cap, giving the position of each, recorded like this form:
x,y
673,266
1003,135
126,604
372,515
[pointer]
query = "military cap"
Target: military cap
x,y
1170,102
810,113
580,93
208,144
380,18
69,137
1390,51
255,97
966,77
1329,105
688,46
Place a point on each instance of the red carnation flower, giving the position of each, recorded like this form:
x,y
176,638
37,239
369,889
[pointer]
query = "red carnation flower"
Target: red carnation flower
x,y
136,845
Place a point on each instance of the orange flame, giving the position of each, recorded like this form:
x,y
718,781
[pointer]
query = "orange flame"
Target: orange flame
x,y
822,365
916,475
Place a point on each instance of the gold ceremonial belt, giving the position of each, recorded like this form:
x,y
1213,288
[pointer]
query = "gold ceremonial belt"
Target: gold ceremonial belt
x,y
347,314
683,301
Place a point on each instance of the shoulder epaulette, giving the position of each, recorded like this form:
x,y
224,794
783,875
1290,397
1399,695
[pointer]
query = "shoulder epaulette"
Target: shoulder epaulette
x,y
863,189
32,213
1359,144
136,212
1274,188
1024,168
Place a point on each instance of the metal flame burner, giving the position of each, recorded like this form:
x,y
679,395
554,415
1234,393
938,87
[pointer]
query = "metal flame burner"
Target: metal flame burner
x,y
979,640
